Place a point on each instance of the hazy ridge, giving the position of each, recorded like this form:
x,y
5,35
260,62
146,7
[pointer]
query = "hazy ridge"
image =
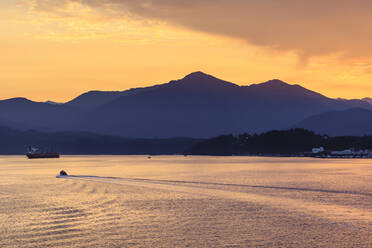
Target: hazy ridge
x,y
198,106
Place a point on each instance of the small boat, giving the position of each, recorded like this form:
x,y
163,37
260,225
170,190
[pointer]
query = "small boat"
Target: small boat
x,y
34,152
62,174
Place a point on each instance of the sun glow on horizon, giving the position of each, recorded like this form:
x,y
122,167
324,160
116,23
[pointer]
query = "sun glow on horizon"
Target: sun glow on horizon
x,y
59,50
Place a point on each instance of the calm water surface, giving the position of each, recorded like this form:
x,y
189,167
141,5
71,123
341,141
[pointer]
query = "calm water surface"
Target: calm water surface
x,y
174,201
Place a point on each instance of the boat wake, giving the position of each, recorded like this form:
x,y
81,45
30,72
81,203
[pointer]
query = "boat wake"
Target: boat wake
x,y
335,213
162,181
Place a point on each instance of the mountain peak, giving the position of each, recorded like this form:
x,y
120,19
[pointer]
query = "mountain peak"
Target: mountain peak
x,y
17,100
200,80
275,82
198,75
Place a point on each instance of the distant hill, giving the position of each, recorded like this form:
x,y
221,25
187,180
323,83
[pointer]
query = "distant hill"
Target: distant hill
x,y
24,114
16,142
350,122
93,99
198,105
97,98
367,99
284,142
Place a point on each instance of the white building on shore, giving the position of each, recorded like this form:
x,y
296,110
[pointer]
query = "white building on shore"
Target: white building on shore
x,y
317,150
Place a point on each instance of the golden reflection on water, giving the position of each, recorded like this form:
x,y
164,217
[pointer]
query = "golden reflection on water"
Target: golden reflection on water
x,y
174,201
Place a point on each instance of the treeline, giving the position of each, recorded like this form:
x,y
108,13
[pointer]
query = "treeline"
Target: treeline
x,y
288,142
15,142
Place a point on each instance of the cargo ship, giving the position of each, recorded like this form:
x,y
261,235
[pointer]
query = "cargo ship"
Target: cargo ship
x,y
34,152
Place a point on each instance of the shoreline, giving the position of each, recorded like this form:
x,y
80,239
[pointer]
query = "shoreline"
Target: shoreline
x,y
197,155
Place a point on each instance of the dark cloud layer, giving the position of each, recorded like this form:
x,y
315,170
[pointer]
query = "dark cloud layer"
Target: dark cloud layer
x,y
310,28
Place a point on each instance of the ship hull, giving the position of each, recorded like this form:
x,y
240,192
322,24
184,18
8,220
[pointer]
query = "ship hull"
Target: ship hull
x,y
43,155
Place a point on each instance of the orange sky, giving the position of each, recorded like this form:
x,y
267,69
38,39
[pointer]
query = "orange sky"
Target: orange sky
x,y
56,50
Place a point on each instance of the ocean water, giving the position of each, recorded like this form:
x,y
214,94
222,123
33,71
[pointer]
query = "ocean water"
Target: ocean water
x,y
176,201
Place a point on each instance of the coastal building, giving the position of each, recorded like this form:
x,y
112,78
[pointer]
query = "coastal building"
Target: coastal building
x,y
342,153
318,150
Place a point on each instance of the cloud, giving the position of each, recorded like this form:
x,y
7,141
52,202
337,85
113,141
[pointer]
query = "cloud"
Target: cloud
x,y
310,28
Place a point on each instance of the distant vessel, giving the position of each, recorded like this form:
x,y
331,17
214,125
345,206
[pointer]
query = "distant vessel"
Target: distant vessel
x,y
34,152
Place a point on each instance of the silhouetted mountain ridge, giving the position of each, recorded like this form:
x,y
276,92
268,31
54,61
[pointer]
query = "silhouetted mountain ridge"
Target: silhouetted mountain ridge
x,y
278,87
350,122
198,105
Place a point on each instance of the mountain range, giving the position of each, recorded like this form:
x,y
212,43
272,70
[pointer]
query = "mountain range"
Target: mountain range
x,y
350,122
198,105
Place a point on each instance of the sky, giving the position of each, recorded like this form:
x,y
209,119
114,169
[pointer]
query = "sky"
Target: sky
x,y
56,50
